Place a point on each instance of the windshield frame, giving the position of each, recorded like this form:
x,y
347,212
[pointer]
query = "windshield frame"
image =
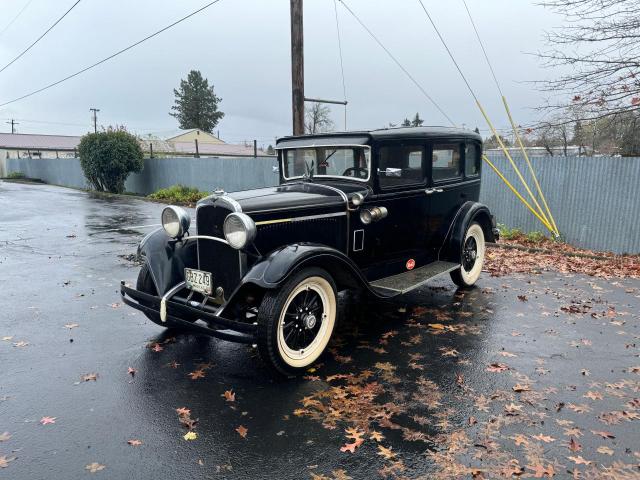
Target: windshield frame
x,y
367,148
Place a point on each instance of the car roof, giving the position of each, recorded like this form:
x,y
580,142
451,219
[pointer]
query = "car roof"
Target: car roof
x,y
364,137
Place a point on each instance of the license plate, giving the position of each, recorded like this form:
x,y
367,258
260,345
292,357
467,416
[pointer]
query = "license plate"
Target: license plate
x,y
198,280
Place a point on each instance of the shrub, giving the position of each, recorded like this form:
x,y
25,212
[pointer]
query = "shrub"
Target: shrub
x,y
536,237
507,233
107,158
178,194
15,175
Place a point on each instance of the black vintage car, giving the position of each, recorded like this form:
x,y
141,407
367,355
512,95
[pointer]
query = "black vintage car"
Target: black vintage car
x,y
381,211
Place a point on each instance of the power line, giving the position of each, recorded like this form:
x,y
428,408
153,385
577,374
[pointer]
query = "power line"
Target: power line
x,y
16,17
493,73
406,72
448,51
39,38
344,87
79,72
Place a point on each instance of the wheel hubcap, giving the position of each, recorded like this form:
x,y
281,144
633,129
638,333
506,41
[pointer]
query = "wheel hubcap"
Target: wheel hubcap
x,y
469,254
303,320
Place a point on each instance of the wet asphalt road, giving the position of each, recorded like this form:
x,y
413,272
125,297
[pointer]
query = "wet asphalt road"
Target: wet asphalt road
x,y
438,384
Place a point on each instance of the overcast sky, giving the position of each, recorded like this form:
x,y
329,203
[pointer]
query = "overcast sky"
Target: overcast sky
x,y
242,47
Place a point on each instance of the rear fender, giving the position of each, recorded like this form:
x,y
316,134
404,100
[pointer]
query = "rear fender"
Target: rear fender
x,y
469,212
167,258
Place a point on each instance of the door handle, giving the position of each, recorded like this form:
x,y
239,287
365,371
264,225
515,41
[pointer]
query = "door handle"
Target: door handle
x,y
431,191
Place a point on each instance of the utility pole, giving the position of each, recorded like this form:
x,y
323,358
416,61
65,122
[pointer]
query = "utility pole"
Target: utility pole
x,y
13,123
95,119
297,67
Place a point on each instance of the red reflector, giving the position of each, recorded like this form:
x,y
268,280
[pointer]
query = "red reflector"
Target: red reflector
x,y
411,263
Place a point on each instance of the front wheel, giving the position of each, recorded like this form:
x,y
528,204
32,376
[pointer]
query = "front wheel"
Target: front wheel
x,y
295,322
472,257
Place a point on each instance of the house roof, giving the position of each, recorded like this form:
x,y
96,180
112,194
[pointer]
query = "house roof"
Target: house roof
x,y
26,141
169,135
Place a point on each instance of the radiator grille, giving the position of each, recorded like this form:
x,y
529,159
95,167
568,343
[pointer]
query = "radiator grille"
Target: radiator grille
x,y
220,259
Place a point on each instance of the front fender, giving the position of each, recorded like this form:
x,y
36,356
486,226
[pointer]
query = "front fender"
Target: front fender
x,y
167,258
274,269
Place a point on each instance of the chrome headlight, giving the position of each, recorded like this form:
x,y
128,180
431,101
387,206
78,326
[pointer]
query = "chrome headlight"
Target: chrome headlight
x,y
175,221
239,230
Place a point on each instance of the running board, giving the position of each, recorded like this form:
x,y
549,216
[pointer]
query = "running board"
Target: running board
x,y
407,281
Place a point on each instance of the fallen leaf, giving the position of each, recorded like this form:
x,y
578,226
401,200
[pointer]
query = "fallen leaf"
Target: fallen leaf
x,y
4,436
71,325
377,436
605,450
521,388
242,431
579,460
131,371
4,461
603,434
157,347
47,420
544,438
497,367
134,443
197,374
89,377
95,467
386,452
351,447
229,396
190,435
574,446
183,411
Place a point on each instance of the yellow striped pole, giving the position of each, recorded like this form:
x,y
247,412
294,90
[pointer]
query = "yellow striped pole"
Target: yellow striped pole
x,y
533,174
513,164
513,189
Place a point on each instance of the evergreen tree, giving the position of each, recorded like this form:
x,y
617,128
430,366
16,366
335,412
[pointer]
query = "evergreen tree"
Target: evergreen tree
x,y
406,122
417,121
196,105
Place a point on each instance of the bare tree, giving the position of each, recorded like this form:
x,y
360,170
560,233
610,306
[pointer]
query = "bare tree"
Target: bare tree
x,y
318,119
600,46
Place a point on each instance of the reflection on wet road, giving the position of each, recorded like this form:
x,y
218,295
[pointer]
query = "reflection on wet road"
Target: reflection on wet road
x,y
523,376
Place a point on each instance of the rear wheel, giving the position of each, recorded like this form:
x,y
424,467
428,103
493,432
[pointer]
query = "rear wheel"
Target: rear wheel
x,y
472,257
295,322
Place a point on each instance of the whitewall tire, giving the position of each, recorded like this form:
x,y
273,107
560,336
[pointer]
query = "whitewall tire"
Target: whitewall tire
x,y
295,322
472,257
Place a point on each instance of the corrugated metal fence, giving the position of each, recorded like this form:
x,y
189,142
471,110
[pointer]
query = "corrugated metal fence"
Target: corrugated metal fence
x,y
594,200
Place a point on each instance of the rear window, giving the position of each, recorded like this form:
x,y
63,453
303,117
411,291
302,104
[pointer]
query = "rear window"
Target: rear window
x,y
445,161
471,159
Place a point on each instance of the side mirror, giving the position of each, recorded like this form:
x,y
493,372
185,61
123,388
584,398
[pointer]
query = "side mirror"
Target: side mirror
x,y
391,172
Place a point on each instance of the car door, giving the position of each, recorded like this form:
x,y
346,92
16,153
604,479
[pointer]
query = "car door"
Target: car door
x,y
390,245
447,190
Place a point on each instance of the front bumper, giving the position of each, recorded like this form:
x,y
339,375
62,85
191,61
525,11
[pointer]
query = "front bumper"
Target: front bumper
x,y
172,309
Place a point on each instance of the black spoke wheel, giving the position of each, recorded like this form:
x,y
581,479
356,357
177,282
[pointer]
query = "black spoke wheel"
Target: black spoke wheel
x,y
296,321
471,257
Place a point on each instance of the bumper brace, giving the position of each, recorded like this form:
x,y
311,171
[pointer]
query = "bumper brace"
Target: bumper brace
x,y
163,309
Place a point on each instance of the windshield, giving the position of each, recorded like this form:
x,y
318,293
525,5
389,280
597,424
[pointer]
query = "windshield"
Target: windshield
x,y
350,162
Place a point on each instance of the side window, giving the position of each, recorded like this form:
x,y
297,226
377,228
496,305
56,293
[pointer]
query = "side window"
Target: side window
x,y
471,159
400,165
445,161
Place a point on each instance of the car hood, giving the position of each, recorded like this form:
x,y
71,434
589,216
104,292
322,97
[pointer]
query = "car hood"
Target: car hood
x,y
294,196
